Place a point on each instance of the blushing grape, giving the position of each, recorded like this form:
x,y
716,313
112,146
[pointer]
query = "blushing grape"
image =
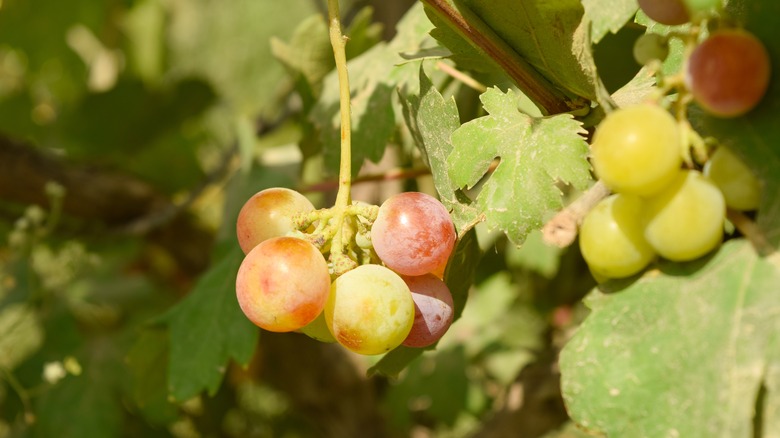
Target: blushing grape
x,y
685,221
282,284
671,12
268,214
370,309
413,233
636,150
612,239
433,310
728,73
740,187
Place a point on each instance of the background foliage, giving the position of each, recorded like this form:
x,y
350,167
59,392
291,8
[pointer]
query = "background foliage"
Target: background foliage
x,y
132,131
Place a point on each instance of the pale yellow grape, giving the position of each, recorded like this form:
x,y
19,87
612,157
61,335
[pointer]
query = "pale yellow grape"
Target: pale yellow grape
x,y
741,189
636,150
612,239
370,309
685,221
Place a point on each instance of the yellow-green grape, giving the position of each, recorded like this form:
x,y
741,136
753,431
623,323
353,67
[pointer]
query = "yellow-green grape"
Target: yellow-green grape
x,y
370,310
636,150
741,189
685,221
318,330
612,238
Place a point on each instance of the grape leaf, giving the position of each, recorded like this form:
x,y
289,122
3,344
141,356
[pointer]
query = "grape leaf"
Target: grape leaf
x,y
755,137
608,16
544,34
534,153
373,77
432,120
22,334
683,351
207,329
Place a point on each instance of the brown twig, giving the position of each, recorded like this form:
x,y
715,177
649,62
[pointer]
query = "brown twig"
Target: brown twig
x,y
561,230
750,230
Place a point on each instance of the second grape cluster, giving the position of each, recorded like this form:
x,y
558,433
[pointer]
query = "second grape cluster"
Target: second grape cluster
x,y
382,288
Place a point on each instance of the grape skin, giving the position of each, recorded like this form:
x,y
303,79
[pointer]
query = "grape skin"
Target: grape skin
x,y
685,221
636,150
612,238
740,187
433,310
283,284
370,310
413,233
671,12
268,214
728,73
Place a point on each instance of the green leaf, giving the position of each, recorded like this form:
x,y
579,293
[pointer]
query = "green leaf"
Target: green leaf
x,y
755,137
432,120
22,334
79,407
147,361
207,329
535,154
374,76
680,352
308,53
228,43
544,33
608,16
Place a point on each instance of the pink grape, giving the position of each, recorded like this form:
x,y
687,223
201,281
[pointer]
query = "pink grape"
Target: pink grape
x,y
433,310
268,214
413,233
671,12
283,284
728,73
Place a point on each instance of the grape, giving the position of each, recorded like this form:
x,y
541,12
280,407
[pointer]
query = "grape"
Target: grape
x,y
370,309
741,189
268,214
318,329
413,233
685,221
282,284
728,73
636,150
671,12
612,239
650,47
433,310
698,7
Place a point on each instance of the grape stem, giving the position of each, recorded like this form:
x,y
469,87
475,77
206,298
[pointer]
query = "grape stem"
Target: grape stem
x,y
343,198
561,230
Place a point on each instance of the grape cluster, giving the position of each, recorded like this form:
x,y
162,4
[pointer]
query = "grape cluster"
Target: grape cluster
x,y
663,203
383,289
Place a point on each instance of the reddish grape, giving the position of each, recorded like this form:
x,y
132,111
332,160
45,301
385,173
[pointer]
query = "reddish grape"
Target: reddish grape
x,y
433,310
269,214
671,12
728,73
283,284
413,233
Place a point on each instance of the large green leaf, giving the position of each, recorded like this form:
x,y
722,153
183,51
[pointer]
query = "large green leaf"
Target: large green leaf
x,y
534,153
688,350
208,329
608,15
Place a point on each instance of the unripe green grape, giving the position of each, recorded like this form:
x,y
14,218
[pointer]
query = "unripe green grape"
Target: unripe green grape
x,y
318,330
612,239
370,310
741,189
650,47
636,150
685,220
